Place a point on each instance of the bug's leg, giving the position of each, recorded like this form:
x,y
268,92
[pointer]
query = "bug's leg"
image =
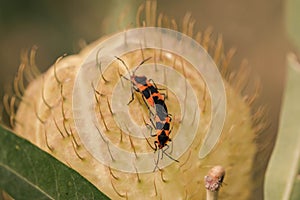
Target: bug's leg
x,y
164,95
164,152
171,130
153,83
152,122
156,163
151,129
170,124
127,79
152,113
132,95
146,137
155,144
171,144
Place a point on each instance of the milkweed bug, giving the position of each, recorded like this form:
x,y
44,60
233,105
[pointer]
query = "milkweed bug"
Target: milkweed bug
x,y
163,131
155,99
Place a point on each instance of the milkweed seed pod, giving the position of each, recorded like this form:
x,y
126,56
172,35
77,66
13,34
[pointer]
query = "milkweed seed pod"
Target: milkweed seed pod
x,y
77,111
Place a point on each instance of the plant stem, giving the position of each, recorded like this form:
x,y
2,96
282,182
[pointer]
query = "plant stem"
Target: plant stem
x,y
211,195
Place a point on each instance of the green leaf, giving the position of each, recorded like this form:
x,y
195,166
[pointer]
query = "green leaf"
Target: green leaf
x,y
27,172
281,176
292,21
296,189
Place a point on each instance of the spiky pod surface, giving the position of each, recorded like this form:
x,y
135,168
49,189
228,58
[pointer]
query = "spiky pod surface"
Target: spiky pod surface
x,y
45,117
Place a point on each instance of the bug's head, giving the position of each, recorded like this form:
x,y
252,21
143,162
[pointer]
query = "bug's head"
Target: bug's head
x,y
139,79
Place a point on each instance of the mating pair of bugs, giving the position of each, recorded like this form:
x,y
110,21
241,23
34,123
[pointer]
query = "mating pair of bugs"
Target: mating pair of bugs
x,y
160,119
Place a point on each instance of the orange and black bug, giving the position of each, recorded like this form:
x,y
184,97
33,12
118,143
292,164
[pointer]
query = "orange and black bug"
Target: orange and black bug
x,y
162,134
155,99
163,131
162,128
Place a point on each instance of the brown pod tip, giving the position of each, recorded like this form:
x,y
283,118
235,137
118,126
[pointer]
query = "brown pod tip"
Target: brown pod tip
x,y
214,179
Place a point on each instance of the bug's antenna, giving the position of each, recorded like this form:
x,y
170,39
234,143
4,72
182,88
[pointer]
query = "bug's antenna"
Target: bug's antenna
x,y
169,156
156,163
145,60
163,152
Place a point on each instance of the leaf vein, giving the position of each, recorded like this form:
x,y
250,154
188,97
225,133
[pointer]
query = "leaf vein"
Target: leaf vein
x,y
25,180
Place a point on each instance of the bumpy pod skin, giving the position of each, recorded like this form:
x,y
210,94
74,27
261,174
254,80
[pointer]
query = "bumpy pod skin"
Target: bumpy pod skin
x,y
47,102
